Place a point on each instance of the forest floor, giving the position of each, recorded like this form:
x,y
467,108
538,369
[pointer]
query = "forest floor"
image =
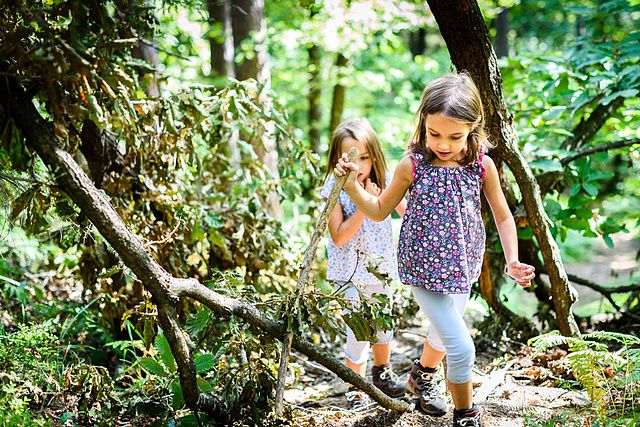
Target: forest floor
x,y
511,388
514,386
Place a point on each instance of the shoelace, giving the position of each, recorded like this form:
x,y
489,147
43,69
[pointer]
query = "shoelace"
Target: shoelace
x,y
359,398
428,384
472,421
387,372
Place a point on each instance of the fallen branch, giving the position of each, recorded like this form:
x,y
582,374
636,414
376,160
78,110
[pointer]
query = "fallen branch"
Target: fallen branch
x,y
165,289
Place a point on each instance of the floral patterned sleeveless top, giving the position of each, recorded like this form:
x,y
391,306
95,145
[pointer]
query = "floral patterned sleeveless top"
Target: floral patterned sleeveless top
x,y
442,238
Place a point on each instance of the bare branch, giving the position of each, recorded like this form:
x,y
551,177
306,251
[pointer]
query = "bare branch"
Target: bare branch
x,y
598,149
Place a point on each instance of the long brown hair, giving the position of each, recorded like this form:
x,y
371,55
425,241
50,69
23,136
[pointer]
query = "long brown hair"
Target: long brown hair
x,y
360,130
456,97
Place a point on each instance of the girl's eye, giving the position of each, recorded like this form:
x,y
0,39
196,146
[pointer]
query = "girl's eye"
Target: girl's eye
x,y
455,138
435,135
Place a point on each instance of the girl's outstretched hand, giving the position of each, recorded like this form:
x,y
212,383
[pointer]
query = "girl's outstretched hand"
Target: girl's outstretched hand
x,y
522,273
343,167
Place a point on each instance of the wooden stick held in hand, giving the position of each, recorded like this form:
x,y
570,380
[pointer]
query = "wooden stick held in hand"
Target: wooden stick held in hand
x,y
303,278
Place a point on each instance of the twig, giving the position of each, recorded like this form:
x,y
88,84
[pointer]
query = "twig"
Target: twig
x,y
303,278
599,148
166,238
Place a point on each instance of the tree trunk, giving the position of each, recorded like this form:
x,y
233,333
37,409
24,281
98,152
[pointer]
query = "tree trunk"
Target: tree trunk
x,y
339,91
417,42
221,43
146,51
463,29
248,23
165,289
313,97
501,41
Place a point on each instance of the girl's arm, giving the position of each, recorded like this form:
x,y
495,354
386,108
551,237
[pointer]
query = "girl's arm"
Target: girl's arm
x,y
521,273
376,208
402,206
342,230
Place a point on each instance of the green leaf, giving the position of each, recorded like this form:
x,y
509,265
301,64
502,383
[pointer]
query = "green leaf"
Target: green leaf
x,y
547,165
204,362
152,366
590,188
178,399
575,189
164,351
608,241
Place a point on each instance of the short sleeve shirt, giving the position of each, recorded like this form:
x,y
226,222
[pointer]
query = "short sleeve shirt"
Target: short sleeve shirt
x,y
373,238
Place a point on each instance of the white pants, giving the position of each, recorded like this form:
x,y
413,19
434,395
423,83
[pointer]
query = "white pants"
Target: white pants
x,y
448,331
358,351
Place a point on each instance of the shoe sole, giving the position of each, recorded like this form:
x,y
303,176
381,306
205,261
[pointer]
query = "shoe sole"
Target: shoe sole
x,y
436,413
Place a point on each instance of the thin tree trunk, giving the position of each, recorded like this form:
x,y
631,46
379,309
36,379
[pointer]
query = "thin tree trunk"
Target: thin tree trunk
x,y
315,91
502,33
339,92
417,42
463,29
221,44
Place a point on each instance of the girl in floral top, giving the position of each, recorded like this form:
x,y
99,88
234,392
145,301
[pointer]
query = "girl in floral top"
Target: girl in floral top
x,y
442,237
354,239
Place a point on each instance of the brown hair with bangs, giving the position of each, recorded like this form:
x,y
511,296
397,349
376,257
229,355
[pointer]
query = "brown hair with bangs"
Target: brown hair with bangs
x,y
360,130
456,97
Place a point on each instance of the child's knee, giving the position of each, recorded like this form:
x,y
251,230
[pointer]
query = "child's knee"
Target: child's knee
x,y
460,360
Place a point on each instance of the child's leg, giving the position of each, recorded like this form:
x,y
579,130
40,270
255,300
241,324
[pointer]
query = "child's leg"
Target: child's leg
x,y
356,352
381,354
433,350
460,351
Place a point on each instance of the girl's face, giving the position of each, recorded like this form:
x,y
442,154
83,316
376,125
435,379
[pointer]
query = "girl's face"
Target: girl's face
x,y
447,138
364,160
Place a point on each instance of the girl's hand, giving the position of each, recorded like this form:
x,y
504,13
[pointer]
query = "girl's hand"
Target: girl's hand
x,y
522,273
371,187
344,167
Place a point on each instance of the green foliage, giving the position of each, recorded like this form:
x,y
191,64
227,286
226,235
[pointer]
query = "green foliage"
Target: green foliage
x,y
30,370
609,377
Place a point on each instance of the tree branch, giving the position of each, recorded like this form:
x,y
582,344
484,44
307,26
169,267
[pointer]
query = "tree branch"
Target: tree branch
x,y
598,149
587,128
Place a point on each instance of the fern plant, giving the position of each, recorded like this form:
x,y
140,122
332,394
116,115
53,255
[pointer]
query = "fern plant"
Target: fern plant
x,y
610,378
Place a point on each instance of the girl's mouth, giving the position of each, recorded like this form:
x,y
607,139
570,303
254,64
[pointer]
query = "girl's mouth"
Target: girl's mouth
x,y
443,154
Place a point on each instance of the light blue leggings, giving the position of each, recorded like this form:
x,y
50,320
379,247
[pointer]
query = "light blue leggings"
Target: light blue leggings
x,y
448,331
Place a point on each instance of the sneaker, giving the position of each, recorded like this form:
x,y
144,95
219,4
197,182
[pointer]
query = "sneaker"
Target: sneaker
x,y
467,418
357,400
386,380
424,383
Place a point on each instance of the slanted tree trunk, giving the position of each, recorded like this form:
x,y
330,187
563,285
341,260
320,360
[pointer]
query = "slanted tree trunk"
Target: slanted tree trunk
x,y
463,29
339,92
165,289
221,42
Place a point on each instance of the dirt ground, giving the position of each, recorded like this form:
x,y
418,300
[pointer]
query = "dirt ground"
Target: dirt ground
x,y
506,389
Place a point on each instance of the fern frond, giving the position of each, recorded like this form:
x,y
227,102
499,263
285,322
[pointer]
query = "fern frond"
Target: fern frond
x,y
548,340
625,339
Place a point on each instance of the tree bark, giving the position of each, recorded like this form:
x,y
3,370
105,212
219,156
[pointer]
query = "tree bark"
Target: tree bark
x,y
165,289
339,92
221,45
501,41
248,24
463,29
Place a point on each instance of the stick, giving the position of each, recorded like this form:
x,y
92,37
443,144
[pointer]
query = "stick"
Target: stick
x,y
303,279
